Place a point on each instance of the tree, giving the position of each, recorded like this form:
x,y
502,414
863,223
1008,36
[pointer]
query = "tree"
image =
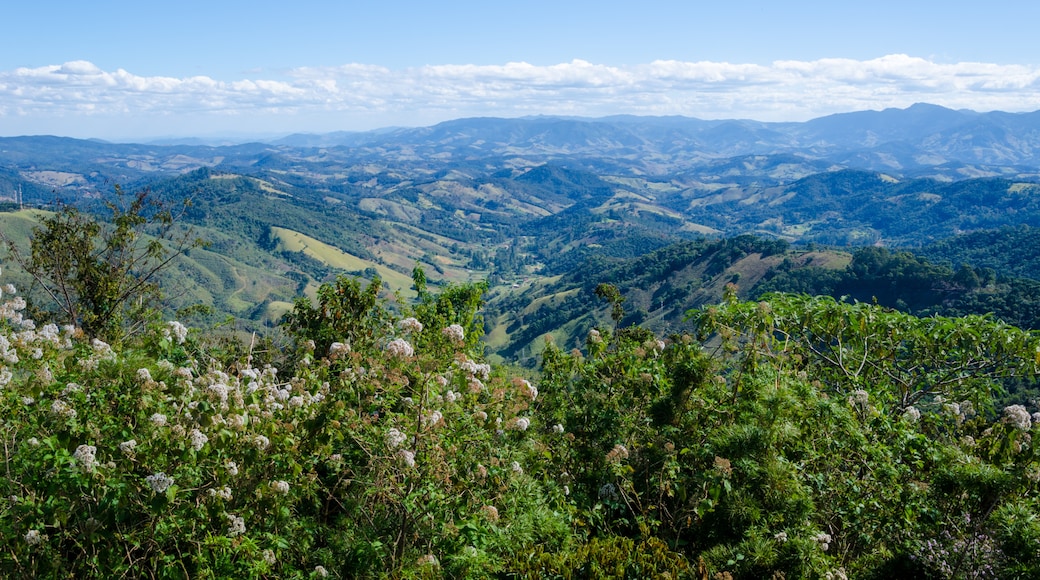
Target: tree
x,y
102,277
896,356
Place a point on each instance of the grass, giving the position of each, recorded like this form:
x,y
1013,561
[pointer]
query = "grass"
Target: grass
x,y
294,241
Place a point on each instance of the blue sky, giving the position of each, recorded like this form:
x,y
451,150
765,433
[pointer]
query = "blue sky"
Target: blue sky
x,y
139,70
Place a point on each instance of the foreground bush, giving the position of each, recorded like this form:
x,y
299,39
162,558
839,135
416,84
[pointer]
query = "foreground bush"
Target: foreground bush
x,y
385,447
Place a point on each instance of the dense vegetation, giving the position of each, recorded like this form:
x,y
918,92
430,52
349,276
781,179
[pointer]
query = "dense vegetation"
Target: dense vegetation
x,y
795,437
692,405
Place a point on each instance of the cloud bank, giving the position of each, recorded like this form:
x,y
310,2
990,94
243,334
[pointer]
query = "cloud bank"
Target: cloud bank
x,y
80,96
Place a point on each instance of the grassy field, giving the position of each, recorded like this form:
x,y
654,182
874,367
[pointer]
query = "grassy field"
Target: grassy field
x,y
296,242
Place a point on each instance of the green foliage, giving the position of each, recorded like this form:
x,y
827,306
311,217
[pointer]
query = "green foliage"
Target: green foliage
x,y
102,276
895,356
345,313
798,437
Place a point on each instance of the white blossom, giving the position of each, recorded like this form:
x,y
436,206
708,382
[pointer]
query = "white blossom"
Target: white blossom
x,y
159,482
62,409
455,334
432,419
394,438
158,419
280,486
407,457
102,348
515,466
491,512
519,424
35,537
528,390
475,369
557,428
223,493
84,454
1017,417
179,331
236,525
399,348
410,325
912,414
261,442
198,439
338,349
127,447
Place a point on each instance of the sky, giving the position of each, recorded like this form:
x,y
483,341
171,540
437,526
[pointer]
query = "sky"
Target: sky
x,y
136,71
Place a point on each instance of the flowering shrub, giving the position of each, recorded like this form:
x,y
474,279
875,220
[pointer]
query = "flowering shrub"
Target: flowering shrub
x,y
357,458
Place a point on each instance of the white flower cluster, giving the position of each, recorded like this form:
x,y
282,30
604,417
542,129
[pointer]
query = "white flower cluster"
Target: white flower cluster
x,y
261,442
35,537
197,439
178,331
338,349
84,454
518,424
127,447
223,493
1018,417
528,390
860,399
490,512
399,348
159,482
410,325
62,410
406,457
394,438
12,309
473,369
455,334
280,486
824,540
432,419
912,414
236,525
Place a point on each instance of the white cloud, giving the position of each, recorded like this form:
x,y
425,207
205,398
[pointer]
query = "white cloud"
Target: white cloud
x,y
361,96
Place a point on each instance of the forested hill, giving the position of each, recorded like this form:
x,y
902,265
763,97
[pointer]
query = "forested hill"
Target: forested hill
x,y
670,210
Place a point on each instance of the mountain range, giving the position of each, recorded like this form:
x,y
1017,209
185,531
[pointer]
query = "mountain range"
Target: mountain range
x,y
524,202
